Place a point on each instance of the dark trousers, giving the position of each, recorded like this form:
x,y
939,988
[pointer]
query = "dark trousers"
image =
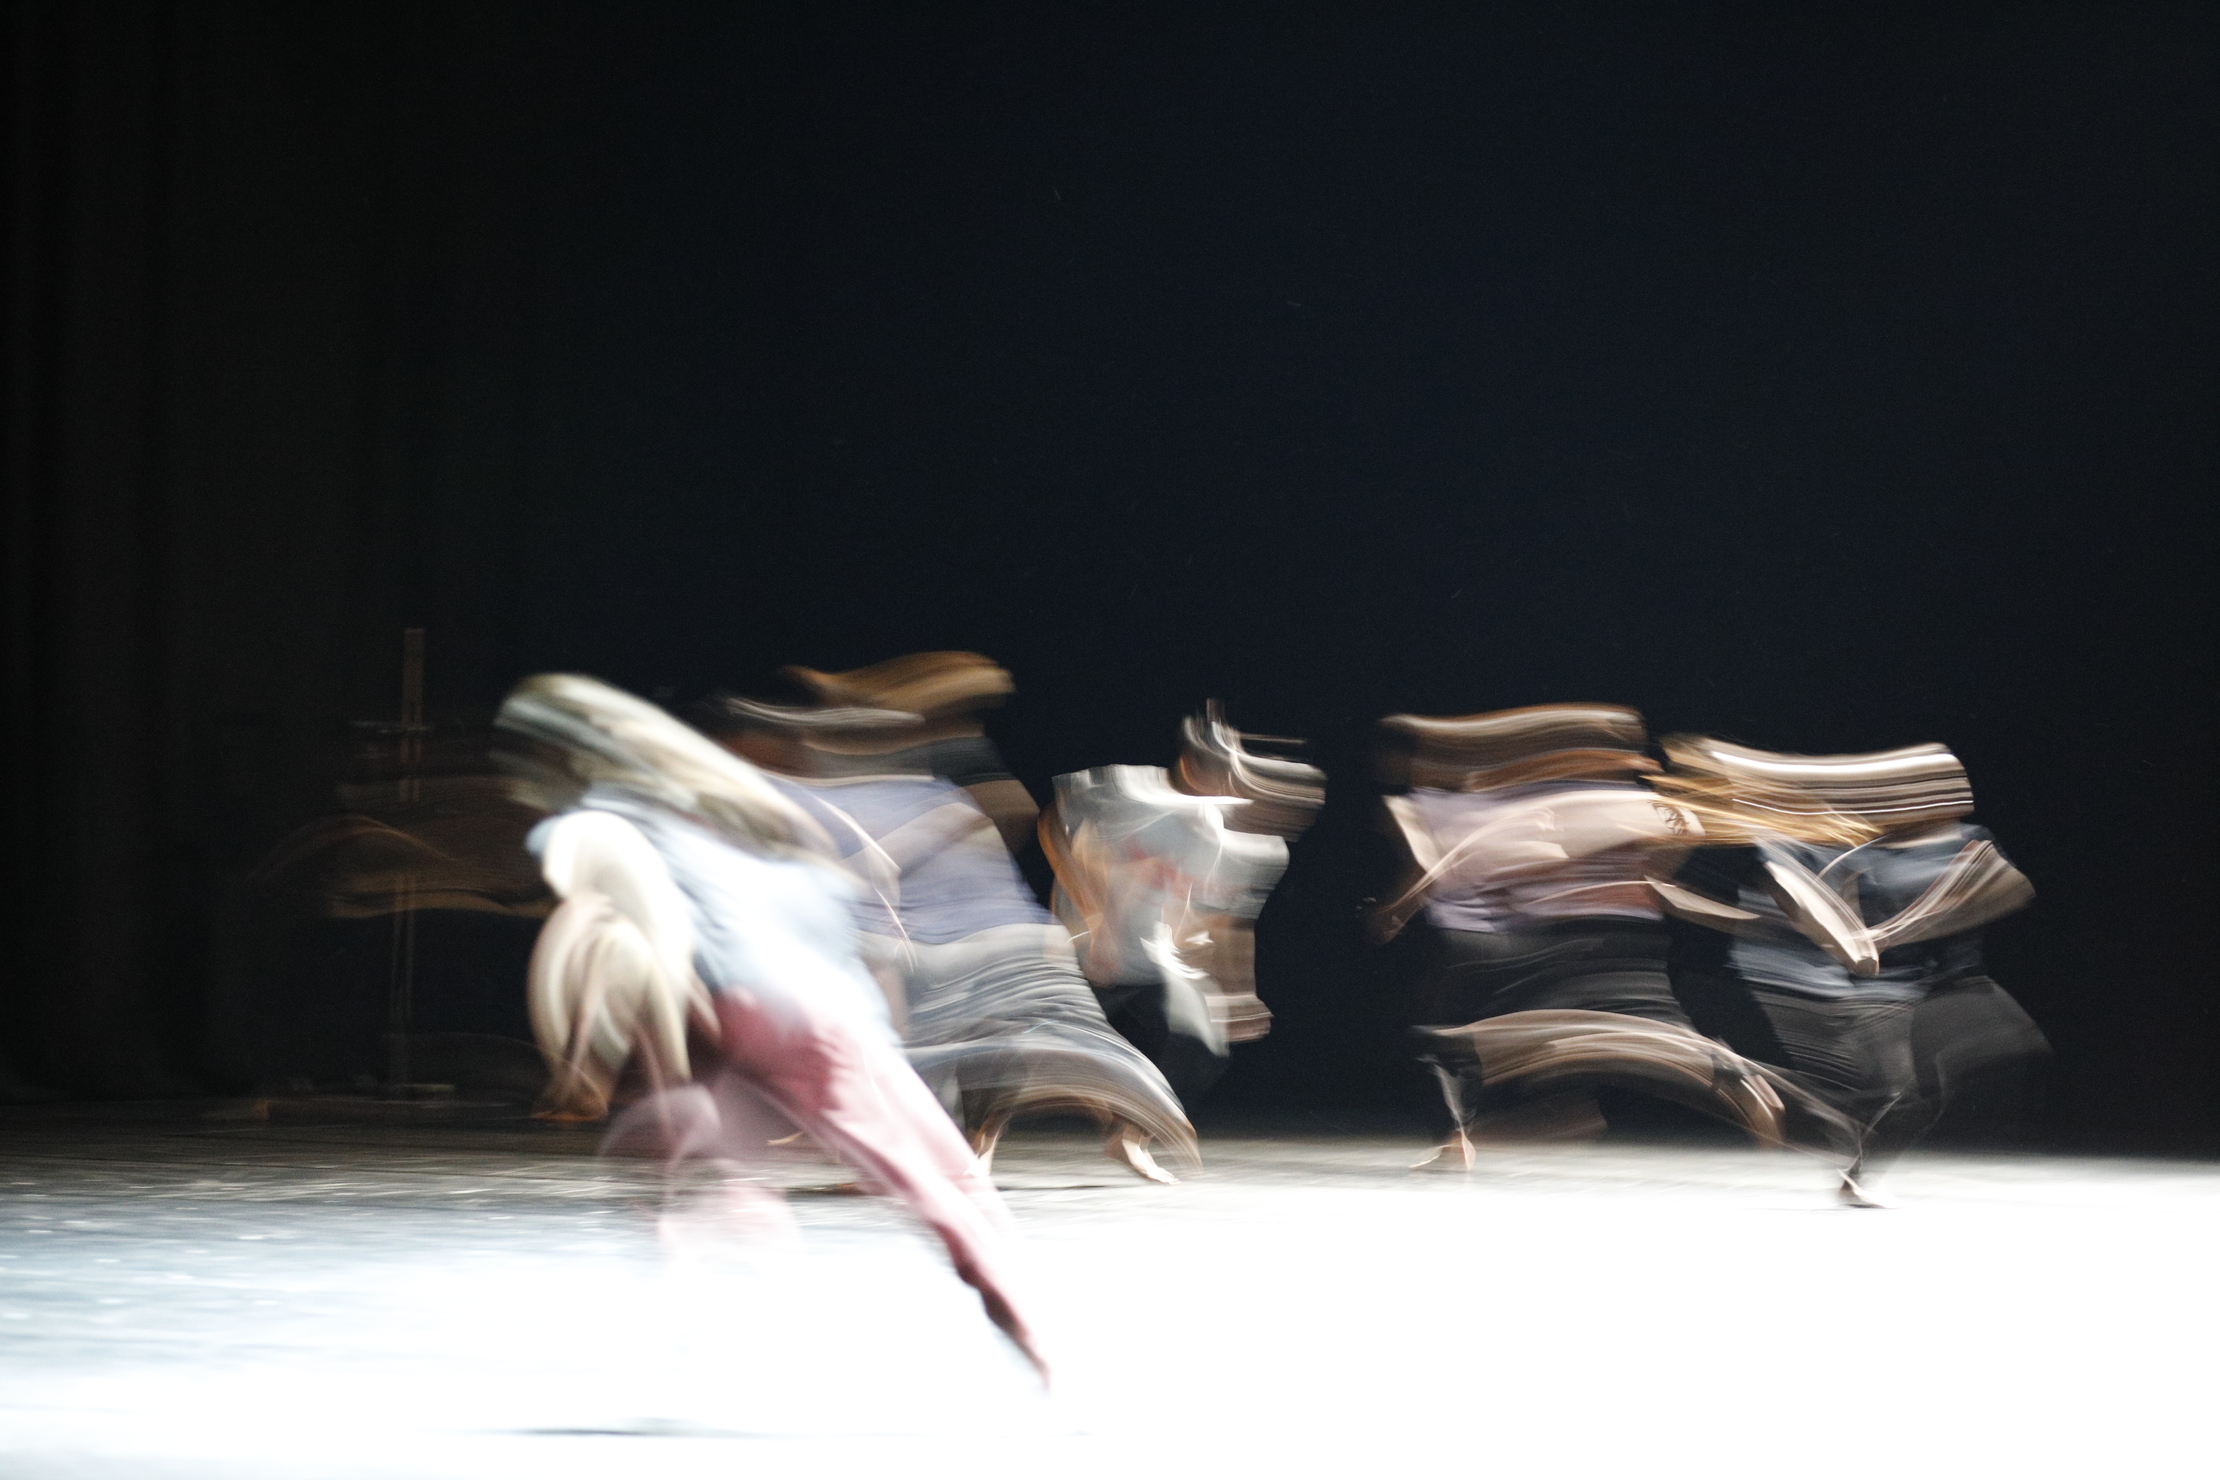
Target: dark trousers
x,y
1964,1056
1136,1010
1594,965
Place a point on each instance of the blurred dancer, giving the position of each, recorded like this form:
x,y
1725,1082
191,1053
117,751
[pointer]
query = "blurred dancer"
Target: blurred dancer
x,y
1532,841
1160,876
996,1015
1863,957
695,895
950,693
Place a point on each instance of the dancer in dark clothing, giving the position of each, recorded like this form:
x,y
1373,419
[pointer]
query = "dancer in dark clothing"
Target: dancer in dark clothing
x,y
1861,958
1532,843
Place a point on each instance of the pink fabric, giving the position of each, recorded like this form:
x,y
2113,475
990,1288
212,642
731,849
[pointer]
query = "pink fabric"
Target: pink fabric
x,y
858,1098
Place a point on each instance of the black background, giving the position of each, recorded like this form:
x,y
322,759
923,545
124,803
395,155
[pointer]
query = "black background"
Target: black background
x,y
1825,377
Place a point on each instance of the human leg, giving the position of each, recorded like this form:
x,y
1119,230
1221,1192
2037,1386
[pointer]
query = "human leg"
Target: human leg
x,y
856,1096
1005,1018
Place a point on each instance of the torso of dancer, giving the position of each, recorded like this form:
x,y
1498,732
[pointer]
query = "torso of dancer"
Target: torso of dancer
x,y
692,888
1859,944
1160,877
1530,841
950,694
994,1012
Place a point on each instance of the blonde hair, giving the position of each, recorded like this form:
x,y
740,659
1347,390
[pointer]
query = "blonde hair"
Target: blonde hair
x,y
603,736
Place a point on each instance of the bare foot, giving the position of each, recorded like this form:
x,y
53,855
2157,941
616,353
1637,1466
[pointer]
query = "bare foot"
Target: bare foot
x,y
1011,1324
1851,1195
983,1141
1452,1155
1127,1148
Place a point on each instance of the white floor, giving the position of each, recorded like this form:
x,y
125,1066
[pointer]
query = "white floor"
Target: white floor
x,y
223,1300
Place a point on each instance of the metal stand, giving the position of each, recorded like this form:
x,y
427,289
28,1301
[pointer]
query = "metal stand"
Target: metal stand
x,y
400,1006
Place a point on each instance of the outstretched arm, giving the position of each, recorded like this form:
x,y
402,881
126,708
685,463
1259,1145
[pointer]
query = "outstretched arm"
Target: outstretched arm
x,y
1422,857
1980,885
1011,806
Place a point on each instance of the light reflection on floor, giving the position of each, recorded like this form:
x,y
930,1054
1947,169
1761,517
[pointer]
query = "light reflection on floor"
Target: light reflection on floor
x,y
185,1297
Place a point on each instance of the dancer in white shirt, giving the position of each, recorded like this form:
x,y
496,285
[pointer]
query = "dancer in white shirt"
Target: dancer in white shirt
x,y
1160,877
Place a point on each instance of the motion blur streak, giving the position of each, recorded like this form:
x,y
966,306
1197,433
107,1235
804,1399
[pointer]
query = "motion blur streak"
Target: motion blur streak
x,y
450,836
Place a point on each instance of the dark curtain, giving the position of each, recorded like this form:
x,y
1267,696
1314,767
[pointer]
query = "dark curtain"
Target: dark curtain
x,y
1828,379
244,241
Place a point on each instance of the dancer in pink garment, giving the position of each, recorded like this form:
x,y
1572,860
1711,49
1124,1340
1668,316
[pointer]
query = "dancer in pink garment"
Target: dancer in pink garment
x,y
697,901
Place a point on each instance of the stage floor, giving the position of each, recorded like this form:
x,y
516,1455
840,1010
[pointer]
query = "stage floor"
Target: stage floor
x,y
182,1296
